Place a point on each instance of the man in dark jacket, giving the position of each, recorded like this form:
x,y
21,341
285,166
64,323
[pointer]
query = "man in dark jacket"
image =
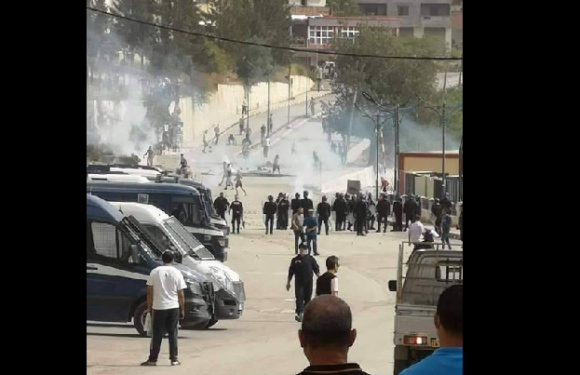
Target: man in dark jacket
x,y
221,205
323,211
398,211
437,211
306,204
410,210
303,267
419,208
383,212
360,215
270,210
326,337
237,213
446,203
339,207
327,283
295,203
283,212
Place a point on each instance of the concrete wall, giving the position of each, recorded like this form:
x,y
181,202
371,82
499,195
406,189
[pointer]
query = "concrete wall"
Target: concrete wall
x,y
224,107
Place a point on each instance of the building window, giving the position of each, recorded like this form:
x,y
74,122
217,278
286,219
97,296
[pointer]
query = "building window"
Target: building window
x,y
403,10
347,32
320,34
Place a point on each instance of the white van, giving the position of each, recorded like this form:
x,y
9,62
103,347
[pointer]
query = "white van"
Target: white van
x,y
229,288
117,177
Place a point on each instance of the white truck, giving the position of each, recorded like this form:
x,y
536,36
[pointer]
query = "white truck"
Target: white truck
x,y
420,282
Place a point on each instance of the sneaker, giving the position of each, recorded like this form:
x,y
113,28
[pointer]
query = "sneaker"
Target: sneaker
x,y
175,363
298,318
149,363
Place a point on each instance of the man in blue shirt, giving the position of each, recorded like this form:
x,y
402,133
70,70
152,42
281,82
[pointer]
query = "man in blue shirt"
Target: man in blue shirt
x,y
447,360
311,225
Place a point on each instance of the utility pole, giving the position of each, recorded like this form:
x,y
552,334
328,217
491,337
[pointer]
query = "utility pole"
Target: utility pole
x,y
347,146
307,67
396,167
377,166
443,179
289,90
268,118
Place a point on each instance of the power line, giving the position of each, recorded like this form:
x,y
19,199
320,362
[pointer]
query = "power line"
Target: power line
x,y
229,40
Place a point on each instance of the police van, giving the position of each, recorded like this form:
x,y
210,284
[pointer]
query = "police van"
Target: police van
x,y
180,201
120,256
228,287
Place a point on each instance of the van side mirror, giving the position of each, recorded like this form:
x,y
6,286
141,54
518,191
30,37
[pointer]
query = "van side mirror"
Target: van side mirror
x,y
393,285
135,254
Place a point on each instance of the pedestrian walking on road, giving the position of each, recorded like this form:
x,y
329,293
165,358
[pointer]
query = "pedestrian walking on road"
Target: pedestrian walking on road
x,y
383,212
166,303
269,210
221,205
216,130
302,267
327,283
244,108
270,124
360,215
239,183
398,211
448,359
150,154
263,131
326,337
283,207
205,142
276,164
267,146
241,125
311,227
323,211
237,213
446,229
339,206
416,230
298,228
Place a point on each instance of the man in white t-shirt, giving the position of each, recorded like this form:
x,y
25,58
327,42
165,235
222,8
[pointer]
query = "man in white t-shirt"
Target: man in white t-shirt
x,y
416,230
166,302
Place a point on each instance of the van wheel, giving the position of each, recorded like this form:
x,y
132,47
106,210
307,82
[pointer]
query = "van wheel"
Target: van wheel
x,y
139,318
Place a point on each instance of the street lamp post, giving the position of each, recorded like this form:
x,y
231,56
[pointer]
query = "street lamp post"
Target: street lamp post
x,y
268,119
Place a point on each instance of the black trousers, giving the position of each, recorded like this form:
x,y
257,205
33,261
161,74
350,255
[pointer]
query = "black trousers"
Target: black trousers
x,y
270,219
438,224
325,221
236,218
164,321
398,224
222,214
297,236
339,222
359,225
303,293
381,219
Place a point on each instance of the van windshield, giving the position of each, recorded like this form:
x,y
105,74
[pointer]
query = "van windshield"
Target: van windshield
x,y
188,212
186,239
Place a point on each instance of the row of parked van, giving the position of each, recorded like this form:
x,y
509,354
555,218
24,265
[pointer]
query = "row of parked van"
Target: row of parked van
x,y
129,225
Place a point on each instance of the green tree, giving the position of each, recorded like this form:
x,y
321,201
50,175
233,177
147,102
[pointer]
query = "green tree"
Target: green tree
x,y
390,81
343,7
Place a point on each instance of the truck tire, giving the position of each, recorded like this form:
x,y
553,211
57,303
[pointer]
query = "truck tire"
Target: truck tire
x,y
139,318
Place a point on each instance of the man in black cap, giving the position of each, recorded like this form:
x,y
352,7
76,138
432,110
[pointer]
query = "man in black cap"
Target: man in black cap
x,y
221,205
323,211
295,203
270,210
383,212
398,211
326,337
303,267
166,303
306,204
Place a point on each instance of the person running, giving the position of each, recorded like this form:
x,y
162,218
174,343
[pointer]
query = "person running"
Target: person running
x,y
150,154
229,177
166,303
239,182
302,267
276,164
237,213
327,283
